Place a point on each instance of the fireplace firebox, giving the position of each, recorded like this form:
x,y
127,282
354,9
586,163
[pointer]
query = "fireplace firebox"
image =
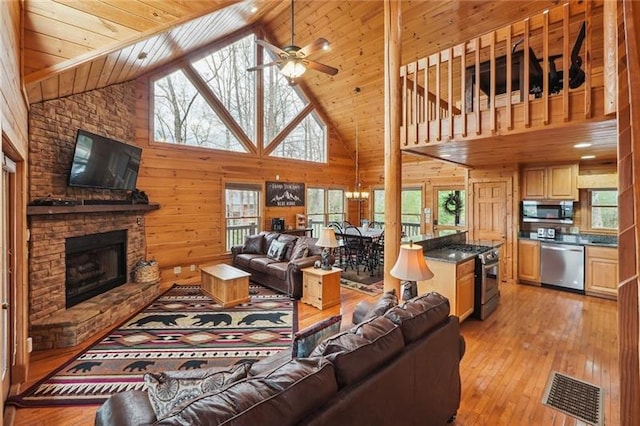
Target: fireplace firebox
x,y
94,264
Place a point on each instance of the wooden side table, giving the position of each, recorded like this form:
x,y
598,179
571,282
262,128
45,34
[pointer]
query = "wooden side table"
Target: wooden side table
x,y
321,288
225,284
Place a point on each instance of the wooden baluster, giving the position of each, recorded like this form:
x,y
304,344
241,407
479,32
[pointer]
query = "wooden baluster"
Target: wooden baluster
x,y
437,105
509,76
415,103
566,55
586,63
492,84
525,87
463,88
427,113
545,66
404,132
476,90
450,90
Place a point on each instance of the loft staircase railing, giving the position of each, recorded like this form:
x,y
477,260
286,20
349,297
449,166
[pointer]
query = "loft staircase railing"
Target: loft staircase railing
x,y
538,72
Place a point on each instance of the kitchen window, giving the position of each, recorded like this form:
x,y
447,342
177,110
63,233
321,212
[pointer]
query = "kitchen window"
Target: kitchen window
x,y
603,209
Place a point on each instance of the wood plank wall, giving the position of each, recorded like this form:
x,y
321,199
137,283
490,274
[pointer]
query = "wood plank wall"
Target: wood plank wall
x,y
189,184
628,175
14,135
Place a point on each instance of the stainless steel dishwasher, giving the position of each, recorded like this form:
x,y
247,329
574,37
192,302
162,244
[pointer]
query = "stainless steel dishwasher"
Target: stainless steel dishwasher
x,y
562,265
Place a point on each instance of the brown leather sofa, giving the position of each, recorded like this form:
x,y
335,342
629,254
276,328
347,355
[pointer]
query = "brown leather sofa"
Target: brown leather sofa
x,y
400,368
283,275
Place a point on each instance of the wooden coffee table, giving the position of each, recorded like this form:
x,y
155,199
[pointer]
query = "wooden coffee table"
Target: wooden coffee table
x,y
225,284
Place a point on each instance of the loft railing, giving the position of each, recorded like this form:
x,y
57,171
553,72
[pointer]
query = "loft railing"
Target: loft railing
x,y
505,81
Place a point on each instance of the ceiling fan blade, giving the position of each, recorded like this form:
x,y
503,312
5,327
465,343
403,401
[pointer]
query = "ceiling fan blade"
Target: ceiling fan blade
x,y
272,48
263,66
321,67
312,47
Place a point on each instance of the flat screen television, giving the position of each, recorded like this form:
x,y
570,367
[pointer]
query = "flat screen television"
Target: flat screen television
x,y
101,162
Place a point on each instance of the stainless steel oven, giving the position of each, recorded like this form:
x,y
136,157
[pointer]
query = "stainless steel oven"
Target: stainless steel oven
x,y
487,283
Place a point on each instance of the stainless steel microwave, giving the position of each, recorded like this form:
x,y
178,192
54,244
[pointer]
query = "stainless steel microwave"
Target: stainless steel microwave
x,y
547,211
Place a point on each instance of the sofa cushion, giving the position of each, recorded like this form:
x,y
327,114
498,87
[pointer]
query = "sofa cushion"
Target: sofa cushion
x,y
283,396
362,349
314,250
300,250
253,244
171,389
290,241
244,260
306,340
420,315
278,270
385,302
276,250
261,263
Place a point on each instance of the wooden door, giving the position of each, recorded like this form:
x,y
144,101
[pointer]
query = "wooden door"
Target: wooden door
x,y
490,216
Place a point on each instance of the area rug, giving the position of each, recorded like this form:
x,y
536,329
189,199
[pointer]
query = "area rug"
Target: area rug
x,y
363,277
370,289
183,329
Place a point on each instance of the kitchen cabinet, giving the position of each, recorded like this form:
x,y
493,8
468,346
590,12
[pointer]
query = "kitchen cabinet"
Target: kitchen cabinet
x,y
454,281
529,261
601,270
557,182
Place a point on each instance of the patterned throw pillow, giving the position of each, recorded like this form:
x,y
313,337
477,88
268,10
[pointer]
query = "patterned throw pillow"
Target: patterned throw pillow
x,y
253,244
276,250
305,341
170,390
299,251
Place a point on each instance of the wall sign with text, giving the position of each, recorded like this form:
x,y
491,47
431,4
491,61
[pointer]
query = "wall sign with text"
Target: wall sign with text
x,y
285,194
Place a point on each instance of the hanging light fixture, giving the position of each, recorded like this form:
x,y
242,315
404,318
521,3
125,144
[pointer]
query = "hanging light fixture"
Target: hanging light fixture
x,y
357,194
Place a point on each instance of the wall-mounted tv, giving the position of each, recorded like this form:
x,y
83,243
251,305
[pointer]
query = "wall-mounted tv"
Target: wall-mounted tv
x,y
101,162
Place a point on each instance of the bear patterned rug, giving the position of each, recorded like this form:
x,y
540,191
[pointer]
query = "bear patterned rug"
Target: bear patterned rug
x,y
182,329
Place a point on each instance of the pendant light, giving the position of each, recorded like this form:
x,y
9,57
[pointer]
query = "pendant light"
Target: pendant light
x,y
357,194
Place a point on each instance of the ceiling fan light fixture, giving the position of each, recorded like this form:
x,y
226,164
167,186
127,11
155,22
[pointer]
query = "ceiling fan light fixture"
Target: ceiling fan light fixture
x,y
293,68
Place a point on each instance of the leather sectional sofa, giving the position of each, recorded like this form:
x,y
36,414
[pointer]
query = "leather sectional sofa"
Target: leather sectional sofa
x,y
282,274
398,368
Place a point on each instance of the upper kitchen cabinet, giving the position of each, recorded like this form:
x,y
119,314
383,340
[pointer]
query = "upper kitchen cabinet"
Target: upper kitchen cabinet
x,y
558,182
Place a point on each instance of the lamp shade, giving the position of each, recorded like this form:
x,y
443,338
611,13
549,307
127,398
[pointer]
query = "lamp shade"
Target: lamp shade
x,y
411,265
327,238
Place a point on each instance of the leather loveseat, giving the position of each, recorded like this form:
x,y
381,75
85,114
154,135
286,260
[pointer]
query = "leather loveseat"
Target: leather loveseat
x,y
281,272
399,368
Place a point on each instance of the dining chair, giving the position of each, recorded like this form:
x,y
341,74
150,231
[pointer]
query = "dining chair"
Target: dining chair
x,y
355,249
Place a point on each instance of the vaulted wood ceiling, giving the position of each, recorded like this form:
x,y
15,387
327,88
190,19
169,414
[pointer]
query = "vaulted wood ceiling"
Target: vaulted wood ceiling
x,y
75,45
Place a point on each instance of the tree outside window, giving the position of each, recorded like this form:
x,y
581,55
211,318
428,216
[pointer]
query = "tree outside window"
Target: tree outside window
x,y
604,209
451,209
242,212
324,206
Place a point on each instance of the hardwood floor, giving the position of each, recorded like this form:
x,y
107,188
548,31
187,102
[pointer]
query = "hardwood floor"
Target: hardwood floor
x,y
505,369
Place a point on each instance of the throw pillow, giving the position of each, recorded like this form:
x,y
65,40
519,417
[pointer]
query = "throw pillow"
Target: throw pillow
x,y
171,389
253,244
276,250
382,305
305,341
299,251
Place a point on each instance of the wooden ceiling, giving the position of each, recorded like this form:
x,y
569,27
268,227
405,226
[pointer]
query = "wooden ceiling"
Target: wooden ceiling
x,y
75,45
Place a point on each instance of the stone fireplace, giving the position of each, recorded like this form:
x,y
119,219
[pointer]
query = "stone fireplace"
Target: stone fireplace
x,y
96,251
94,264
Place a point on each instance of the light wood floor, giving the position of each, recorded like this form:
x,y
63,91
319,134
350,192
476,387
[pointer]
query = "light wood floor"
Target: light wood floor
x,y
504,371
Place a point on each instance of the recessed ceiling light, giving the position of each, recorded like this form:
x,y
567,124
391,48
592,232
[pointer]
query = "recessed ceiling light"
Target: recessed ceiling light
x,y
588,157
582,145
445,155
254,9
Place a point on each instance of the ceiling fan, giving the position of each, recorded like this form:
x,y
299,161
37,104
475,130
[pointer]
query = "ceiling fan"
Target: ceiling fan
x,y
292,60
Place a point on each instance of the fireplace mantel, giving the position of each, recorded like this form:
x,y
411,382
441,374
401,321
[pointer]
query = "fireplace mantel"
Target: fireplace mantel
x,y
90,208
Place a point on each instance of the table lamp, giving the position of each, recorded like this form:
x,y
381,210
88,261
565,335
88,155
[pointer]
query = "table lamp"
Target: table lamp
x,y
327,240
411,267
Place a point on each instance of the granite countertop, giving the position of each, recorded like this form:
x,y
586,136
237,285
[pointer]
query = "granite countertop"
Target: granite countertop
x,y
448,255
574,239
